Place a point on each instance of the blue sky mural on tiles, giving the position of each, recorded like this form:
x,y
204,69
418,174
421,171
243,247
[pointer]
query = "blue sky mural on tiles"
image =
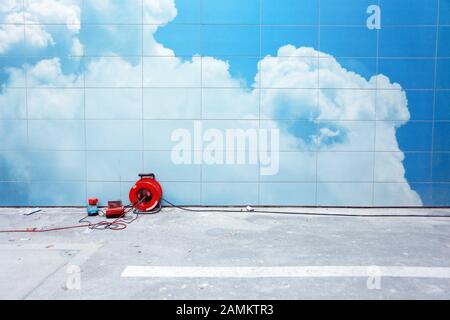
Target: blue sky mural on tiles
x,y
91,92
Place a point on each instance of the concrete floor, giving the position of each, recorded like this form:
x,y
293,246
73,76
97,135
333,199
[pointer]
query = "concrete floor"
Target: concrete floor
x,y
86,264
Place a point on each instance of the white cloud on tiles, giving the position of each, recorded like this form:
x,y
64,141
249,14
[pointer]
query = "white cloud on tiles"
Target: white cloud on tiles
x,y
335,107
159,11
356,102
290,70
35,12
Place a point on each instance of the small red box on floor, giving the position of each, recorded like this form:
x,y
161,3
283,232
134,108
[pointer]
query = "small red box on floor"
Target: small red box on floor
x,y
93,201
115,209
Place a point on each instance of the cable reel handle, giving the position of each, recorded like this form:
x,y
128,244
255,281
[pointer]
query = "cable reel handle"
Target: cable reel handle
x,y
147,175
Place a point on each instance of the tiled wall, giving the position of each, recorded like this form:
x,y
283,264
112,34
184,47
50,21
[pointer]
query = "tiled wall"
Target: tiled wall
x,y
91,92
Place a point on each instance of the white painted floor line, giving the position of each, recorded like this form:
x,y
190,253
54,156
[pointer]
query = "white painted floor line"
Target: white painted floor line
x,y
284,272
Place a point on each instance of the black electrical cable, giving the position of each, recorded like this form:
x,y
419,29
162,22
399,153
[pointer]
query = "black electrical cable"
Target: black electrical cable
x,y
355,215
123,221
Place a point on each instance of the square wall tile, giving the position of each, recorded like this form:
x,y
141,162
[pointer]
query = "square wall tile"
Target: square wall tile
x,y
112,39
417,166
228,194
443,74
112,11
117,103
236,40
345,166
230,104
347,104
441,194
414,136
12,72
14,194
168,167
14,134
289,104
15,44
189,11
407,42
395,195
441,136
74,6
114,134
442,105
305,66
172,103
245,172
406,12
365,67
167,134
444,12
52,40
113,165
348,41
293,167
444,43
50,166
398,167
182,193
273,37
344,194
57,72
345,136
425,191
420,105
60,193
112,72
183,39
235,135
9,168
172,72
344,12
290,12
288,135
230,72
231,12
346,73
441,167
394,104
56,134
287,194
13,103
410,73
55,103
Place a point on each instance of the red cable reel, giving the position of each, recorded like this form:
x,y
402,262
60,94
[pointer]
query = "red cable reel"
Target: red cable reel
x,y
146,194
